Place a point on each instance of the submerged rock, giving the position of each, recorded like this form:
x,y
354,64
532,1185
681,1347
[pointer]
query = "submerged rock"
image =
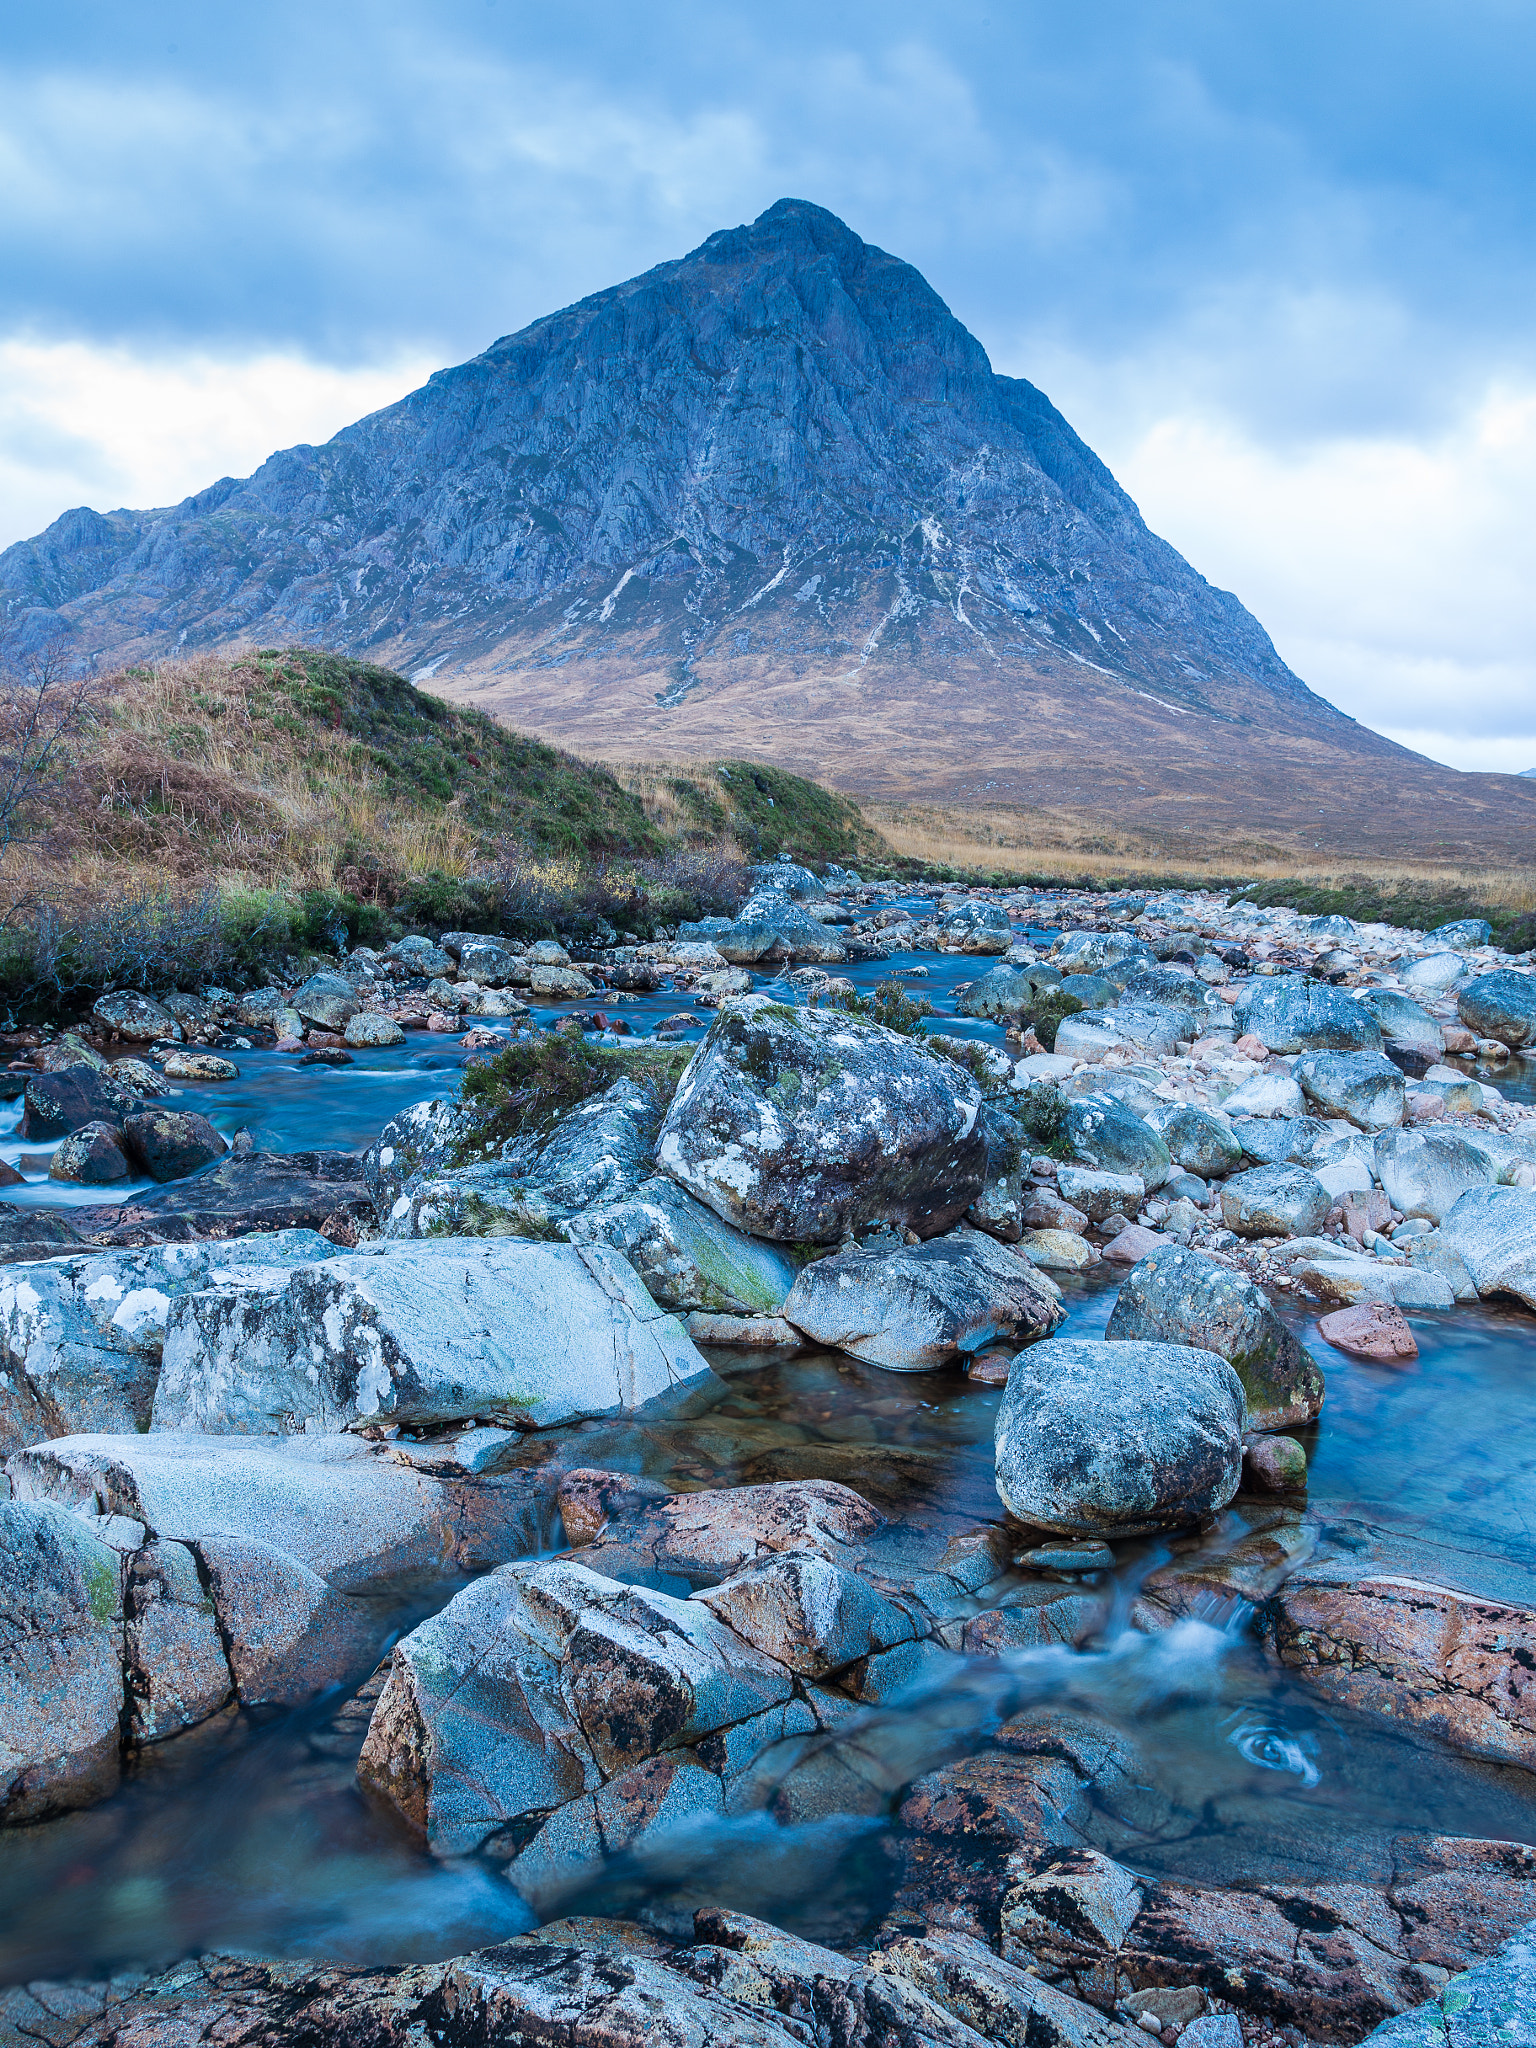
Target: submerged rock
x,y
1182,1297
1118,1439
533,1334
924,1307
805,1125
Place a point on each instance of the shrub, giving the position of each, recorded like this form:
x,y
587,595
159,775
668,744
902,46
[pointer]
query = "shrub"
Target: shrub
x,y
1047,1011
522,1090
1042,1111
890,1004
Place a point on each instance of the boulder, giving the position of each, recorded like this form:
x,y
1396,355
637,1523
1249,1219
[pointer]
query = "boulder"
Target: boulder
x,y
1057,1251
999,1208
356,1513
80,1338
1376,1329
1092,952
1114,1139
785,878
533,1334
1493,1230
1402,1021
489,963
1118,1439
1331,1271
244,1192
1363,1086
540,1683
290,1634
1166,988
1291,1014
1440,1662
1501,1005
371,1028
1480,2007
326,1001
417,957
198,1066
805,1125
771,927
1007,991
1468,932
1432,1254
69,1098
686,1255
1183,1297
421,1139
1433,974
808,1613
135,1016
170,1144
93,1156
1153,1030
1275,1201
1098,1195
1275,1095
1426,1172
1197,1139
925,1306
61,1663
558,984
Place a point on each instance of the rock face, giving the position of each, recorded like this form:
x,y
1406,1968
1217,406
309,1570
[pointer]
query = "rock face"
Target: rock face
x,y
1493,1230
80,1338
1275,1201
530,1333
925,1307
1501,1005
61,1662
1292,1015
1363,1086
1182,1297
1481,2008
686,1255
805,1125
1437,1660
1117,1439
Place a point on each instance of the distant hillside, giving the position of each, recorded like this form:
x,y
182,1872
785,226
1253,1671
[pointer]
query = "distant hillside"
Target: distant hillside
x,y
769,500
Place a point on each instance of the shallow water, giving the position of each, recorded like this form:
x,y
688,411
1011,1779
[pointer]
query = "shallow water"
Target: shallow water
x,y
251,1834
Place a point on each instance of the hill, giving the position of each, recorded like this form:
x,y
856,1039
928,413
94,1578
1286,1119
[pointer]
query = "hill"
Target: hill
x,y
769,500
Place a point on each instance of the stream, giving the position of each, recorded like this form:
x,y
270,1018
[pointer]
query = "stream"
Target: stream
x,y
249,1833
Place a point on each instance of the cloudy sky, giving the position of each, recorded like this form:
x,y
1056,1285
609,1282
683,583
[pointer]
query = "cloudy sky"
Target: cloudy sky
x,y
1274,261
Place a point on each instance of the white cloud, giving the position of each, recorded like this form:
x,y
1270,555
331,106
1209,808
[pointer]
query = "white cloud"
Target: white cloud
x,y
82,424
1393,573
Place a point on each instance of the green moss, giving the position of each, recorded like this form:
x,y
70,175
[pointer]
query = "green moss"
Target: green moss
x,y
101,1590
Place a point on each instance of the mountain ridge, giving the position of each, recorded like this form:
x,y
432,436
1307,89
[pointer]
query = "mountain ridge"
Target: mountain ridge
x,y
769,497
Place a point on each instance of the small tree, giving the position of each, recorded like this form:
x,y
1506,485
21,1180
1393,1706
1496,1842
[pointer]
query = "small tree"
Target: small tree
x,y
45,701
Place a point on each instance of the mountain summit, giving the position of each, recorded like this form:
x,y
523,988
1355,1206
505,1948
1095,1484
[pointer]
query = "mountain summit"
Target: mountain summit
x,y
769,499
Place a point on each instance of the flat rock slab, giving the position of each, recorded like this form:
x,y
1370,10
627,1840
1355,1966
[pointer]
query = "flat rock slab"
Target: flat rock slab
x,y
434,1331
926,1306
242,1193
1374,1329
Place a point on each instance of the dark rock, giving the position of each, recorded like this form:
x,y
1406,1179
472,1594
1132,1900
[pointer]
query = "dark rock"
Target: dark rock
x,y
92,1156
1293,1015
1500,1005
170,1144
805,1125
1366,1087
1008,991
71,1097
1182,1297
257,1191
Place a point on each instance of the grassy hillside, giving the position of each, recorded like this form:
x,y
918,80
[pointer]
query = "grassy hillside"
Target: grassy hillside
x,y
210,816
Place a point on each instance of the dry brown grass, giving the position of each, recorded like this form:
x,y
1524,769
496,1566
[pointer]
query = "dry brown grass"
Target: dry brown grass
x,y
1066,847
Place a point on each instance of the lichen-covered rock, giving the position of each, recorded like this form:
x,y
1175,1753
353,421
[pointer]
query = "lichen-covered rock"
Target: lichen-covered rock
x,y
1092,952
535,1334
1183,1297
1008,991
809,1613
290,1634
1425,1173
419,1140
1275,1201
1098,1194
372,1028
1487,2006
806,1125
1402,1020
1118,1439
999,1208
1365,1087
326,1001
93,1156
1293,1015
68,1098
771,926
923,1307
1493,1230
1197,1139
1500,1005
135,1016
170,1144
687,1256
1114,1139
61,1663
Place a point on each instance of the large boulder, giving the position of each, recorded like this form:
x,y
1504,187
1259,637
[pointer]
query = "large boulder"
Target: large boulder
x,y
1118,1439
80,1338
135,1016
1275,1201
61,1663
923,1307
533,1334
66,1100
1403,1022
806,1125
490,964
371,1028
540,1684
1092,952
687,1256
1494,1232
1365,1087
1434,974
1425,1173
1467,932
1007,991
1197,1139
422,1139
1097,1194
1151,1029
1114,1139
1166,988
170,1144
1294,1015
415,956
1265,1094
772,927
1500,1005
326,1000
1182,1297
93,1156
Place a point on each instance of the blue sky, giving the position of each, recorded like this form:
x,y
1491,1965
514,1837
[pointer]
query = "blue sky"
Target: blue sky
x,y
1275,262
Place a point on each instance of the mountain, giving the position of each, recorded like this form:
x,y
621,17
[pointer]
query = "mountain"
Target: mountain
x,y
770,499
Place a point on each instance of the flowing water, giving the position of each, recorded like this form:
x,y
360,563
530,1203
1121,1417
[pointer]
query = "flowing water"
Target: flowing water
x,y
249,1834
